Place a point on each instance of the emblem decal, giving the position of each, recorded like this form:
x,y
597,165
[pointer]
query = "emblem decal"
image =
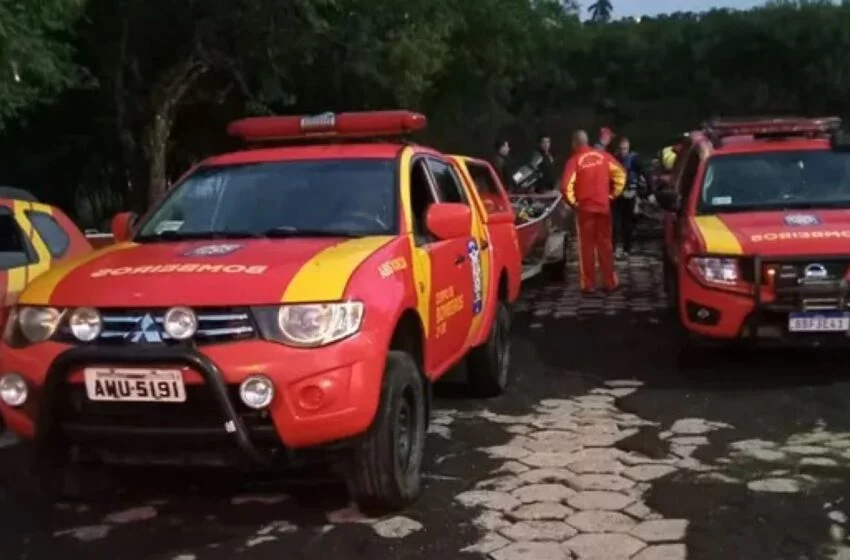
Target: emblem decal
x,y
801,220
145,330
815,271
477,280
213,250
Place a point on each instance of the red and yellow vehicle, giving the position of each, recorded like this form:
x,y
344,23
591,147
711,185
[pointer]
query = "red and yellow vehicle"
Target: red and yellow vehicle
x,y
757,233
34,237
279,301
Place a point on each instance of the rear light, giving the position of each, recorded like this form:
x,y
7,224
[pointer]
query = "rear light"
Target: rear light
x,y
719,272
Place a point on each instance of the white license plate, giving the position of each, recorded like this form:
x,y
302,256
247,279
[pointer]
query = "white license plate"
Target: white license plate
x,y
813,322
135,384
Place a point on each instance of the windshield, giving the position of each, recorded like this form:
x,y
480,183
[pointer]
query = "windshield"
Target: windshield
x,y
346,197
782,180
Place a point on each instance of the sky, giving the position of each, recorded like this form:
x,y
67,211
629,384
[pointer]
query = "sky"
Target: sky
x,y
624,8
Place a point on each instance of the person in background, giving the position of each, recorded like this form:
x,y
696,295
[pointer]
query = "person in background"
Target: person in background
x,y
606,135
623,208
500,161
542,160
592,178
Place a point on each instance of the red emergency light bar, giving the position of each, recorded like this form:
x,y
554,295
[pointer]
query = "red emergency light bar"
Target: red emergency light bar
x,y
329,125
772,127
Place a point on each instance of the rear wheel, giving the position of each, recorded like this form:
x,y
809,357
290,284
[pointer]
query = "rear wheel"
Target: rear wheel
x,y
488,366
385,470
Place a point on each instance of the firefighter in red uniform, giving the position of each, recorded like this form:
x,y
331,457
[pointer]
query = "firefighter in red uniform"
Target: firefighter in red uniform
x,y
592,179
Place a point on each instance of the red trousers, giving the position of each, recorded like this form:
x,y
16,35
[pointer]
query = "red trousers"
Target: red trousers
x,y
593,230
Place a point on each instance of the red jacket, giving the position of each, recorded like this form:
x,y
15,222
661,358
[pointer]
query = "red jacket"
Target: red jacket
x,y
592,178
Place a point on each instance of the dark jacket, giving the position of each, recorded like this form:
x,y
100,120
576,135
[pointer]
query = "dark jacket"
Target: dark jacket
x,y
500,164
545,163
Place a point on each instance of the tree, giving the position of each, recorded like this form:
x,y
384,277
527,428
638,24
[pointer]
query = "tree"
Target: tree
x,y
600,11
35,54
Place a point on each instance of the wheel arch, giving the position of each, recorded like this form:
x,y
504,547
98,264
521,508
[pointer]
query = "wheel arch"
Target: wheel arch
x,y
409,336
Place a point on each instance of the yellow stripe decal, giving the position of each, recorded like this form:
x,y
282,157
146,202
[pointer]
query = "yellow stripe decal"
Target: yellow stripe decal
x,y
39,293
42,252
481,235
16,281
718,237
421,259
325,276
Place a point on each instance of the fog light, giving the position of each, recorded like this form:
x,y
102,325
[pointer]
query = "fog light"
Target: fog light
x,y
311,397
257,391
13,389
180,323
86,323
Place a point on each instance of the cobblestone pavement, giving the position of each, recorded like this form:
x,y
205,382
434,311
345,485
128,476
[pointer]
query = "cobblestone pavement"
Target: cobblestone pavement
x,y
601,450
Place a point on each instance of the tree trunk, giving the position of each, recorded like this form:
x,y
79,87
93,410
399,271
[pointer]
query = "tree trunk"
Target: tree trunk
x,y
169,93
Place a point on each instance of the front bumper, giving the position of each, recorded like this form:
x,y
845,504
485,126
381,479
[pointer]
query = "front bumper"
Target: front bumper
x,y
212,425
762,317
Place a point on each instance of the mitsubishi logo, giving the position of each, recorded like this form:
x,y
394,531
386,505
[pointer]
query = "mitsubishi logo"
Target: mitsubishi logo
x,y
815,271
146,330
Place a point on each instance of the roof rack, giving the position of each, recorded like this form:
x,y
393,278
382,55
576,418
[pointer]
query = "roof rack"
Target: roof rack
x,y
785,127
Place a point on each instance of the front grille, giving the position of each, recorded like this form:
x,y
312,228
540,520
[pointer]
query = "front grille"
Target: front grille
x,y
122,326
823,291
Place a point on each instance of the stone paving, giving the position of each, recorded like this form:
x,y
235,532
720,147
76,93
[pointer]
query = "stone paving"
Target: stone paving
x,y
566,491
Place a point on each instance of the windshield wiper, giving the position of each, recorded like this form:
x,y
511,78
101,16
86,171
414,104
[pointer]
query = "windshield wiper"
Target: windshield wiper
x,y
196,235
289,231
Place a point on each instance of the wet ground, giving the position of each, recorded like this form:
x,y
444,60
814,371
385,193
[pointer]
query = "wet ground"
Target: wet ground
x,y
602,449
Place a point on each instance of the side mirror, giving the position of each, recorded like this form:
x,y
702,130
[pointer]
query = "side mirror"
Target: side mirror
x,y
448,220
667,200
122,226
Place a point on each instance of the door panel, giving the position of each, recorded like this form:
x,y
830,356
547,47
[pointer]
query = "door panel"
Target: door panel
x,y
451,299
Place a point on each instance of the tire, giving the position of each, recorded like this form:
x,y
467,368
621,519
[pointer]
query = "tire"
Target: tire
x,y
385,470
488,365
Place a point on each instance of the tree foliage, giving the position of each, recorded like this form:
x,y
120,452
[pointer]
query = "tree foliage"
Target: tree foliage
x,y
35,52
166,76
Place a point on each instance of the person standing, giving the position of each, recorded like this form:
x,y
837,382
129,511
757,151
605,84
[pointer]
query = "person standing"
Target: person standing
x,y
592,178
623,208
606,135
543,161
500,161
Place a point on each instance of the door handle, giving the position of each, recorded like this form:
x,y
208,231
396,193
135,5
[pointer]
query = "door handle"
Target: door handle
x,y
459,259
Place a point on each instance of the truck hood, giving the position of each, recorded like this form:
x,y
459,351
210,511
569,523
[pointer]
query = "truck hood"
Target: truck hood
x,y
206,273
808,232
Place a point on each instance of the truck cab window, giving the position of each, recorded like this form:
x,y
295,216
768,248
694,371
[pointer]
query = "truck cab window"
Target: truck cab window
x,y
14,249
421,198
447,182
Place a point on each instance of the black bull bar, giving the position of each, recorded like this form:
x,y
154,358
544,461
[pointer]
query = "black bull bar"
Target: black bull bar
x,y
838,289
46,426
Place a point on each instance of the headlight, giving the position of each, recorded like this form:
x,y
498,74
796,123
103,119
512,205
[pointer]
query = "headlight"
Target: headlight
x,y
180,323
717,270
85,323
310,324
38,324
256,392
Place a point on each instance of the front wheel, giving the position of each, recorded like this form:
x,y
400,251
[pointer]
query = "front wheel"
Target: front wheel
x,y
488,365
385,470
